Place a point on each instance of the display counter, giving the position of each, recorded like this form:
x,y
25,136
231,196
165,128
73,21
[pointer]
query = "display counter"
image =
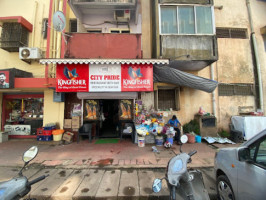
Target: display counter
x,y
29,127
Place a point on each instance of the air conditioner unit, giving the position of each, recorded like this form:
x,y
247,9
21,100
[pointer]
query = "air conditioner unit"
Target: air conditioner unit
x,y
122,15
26,53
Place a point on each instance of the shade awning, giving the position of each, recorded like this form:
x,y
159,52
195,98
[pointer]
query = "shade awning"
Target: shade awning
x,y
167,74
107,95
105,61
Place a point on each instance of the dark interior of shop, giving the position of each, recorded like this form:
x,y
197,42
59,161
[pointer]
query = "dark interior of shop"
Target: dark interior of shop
x,y
110,124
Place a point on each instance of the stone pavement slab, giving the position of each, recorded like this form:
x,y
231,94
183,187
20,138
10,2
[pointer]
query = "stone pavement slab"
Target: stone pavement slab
x,y
108,188
69,186
129,185
50,184
7,173
90,184
41,172
146,178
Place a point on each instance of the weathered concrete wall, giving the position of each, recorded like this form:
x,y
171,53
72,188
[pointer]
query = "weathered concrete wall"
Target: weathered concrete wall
x,y
235,64
146,33
235,61
53,111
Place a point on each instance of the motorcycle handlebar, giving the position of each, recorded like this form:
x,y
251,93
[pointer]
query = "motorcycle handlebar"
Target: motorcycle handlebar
x,y
37,180
192,153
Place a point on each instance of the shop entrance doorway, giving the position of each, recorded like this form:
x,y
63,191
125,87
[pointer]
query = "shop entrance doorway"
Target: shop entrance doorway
x,y
109,127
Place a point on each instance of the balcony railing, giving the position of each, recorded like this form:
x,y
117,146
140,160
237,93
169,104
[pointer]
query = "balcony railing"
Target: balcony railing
x,y
189,52
104,45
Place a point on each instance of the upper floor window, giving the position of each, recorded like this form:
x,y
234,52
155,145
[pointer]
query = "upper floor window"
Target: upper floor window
x,y
186,20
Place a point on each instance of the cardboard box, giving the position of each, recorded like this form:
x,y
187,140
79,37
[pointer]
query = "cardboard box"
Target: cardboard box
x,y
75,122
68,136
67,123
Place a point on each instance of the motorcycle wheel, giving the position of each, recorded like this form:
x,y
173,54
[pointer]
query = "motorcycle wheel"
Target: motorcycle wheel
x,y
224,188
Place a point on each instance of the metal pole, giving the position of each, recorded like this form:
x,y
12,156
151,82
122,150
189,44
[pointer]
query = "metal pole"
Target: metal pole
x,y
256,57
213,94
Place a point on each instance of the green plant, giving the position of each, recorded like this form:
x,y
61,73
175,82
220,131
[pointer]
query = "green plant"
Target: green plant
x,y
224,134
193,125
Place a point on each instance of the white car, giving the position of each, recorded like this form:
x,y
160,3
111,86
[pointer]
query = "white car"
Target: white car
x,y
241,172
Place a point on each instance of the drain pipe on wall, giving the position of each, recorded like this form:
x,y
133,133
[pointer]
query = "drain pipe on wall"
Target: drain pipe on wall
x,y
213,93
254,42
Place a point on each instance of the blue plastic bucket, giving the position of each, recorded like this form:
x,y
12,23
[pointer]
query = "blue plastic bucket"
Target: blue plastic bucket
x,y
170,139
159,141
198,139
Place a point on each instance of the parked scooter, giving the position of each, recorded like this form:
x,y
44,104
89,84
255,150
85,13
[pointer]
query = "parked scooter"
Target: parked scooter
x,y
183,183
19,186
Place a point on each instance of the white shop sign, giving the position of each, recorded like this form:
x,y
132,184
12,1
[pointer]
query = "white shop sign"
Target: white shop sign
x,y
18,129
105,78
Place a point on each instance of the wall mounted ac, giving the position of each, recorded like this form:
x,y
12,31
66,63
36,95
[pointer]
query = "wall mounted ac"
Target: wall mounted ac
x,y
122,15
26,53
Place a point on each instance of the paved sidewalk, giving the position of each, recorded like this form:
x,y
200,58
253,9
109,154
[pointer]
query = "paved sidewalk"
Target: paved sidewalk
x,y
100,171
124,154
100,184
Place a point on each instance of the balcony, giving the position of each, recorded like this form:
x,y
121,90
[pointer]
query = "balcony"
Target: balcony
x,y
84,8
104,45
189,52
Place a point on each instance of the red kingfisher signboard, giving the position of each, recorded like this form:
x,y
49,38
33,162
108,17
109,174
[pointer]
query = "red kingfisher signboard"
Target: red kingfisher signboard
x,y
72,78
104,78
136,78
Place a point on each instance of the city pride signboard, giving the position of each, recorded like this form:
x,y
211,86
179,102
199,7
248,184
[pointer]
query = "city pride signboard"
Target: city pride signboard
x,y
104,77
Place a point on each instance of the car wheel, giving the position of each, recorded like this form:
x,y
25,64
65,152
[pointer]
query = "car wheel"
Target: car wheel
x,y
224,188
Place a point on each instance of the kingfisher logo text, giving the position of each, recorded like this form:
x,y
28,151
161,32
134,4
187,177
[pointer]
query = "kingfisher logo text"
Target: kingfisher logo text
x,y
71,82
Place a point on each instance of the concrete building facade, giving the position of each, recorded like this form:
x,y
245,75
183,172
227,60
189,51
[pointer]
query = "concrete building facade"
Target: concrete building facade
x,y
221,50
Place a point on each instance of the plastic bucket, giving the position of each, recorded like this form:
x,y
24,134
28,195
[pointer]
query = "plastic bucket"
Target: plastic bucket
x,y
57,134
159,141
198,139
141,141
191,138
170,140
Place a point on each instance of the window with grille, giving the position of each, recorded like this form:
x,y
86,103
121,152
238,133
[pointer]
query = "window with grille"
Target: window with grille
x,y
236,89
73,25
239,33
167,99
13,36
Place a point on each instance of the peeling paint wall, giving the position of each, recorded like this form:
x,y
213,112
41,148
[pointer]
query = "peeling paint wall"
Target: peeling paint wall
x,y
235,64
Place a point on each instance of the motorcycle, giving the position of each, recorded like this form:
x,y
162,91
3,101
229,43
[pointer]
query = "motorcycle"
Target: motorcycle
x,y
19,186
182,183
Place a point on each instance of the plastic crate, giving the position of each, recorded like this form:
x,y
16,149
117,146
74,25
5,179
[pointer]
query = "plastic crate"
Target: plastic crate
x,y
39,131
44,137
47,132
47,128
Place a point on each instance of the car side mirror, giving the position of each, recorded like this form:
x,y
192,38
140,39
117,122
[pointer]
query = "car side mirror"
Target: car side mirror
x,y
244,155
